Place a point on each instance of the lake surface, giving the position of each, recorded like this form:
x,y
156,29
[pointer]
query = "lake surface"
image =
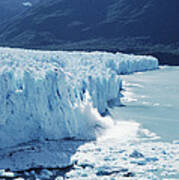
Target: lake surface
x,y
152,99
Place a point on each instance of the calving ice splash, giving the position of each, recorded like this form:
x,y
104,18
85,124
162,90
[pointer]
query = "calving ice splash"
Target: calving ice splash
x,y
56,94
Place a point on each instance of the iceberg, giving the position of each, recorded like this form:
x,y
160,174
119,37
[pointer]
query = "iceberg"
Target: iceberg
x,y
57,94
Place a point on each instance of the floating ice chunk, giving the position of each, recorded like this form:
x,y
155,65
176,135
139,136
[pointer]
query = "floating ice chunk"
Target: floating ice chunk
x,y
6,174
45,174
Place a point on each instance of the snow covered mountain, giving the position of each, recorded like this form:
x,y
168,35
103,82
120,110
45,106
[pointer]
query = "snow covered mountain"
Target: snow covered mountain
x,y
142,26
55,95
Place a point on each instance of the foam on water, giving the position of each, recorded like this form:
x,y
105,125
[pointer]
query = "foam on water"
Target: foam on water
x,y
122,131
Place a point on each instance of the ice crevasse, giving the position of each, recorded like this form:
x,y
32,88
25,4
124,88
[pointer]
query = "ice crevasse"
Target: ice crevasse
x,y
58,94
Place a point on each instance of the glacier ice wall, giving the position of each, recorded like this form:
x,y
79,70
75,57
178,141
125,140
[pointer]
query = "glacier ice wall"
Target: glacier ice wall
x,y
55,94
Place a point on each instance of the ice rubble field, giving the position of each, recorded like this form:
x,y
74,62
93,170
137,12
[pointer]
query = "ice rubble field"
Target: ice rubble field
x,y
54,95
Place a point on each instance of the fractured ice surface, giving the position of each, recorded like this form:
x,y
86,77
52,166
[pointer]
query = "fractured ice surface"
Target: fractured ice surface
x,y
54,95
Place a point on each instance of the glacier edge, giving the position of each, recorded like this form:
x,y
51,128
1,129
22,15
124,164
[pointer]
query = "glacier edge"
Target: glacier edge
x,y
56,94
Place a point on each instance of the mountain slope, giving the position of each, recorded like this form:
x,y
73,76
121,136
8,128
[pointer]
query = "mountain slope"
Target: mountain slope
x,y
139,26
10,8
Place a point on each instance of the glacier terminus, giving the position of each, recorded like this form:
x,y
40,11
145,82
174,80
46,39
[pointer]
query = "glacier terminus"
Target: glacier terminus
x,y
56,94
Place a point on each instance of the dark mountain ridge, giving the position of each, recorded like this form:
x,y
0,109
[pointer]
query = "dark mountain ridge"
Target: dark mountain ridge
x,y
133,26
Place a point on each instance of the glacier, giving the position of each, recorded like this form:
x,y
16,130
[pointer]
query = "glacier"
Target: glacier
x,y
57,94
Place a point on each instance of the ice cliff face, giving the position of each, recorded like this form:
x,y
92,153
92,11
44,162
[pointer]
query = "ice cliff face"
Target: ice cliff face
x,y
54,95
